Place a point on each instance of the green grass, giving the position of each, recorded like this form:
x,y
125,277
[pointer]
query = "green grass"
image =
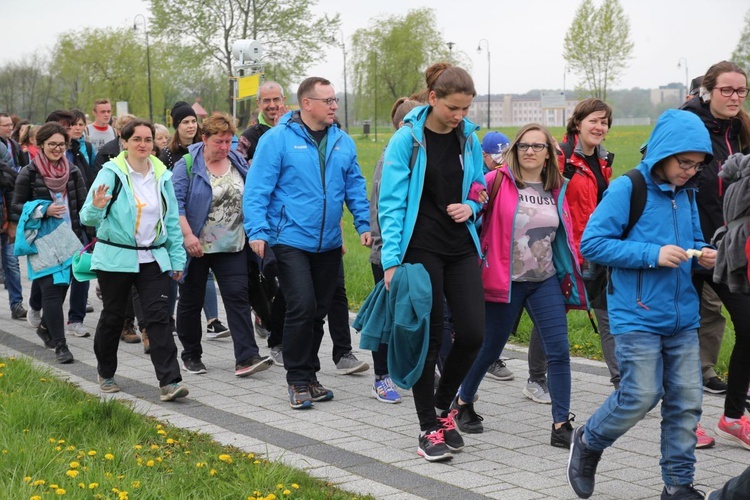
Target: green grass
x,y
57,440
624,142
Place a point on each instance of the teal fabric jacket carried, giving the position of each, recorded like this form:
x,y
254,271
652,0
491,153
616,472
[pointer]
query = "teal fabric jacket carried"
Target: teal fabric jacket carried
x,y
401,186
119,225
400,318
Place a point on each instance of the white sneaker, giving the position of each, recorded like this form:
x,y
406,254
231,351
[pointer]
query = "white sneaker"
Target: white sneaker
x,y
34,317
77,329
536,390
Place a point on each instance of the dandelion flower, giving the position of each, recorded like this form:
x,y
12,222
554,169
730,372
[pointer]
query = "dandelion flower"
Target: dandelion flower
x,y
154,446
74,465
251,455
137,447
170,441
109,456
53,486
256,462
159,459
136,484
60,441
82,486
52,440
39,482
36,497
161,432
93,486
150,463
92,453
295,486
108,475
27,479
2,365
123,495
212,472
270,496
279,486
60,491
159,426
225,458
70,448
58,448
286,492
72,473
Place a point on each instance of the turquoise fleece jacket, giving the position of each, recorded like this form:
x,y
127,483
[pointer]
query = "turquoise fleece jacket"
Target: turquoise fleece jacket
x,y
401,187
119,225
400,318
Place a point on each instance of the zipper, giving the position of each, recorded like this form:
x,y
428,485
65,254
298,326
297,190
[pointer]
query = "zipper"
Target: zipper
x,y
638,289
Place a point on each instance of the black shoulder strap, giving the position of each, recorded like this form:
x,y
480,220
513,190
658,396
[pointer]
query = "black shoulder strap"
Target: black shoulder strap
x,y
637,199
115,193
567,149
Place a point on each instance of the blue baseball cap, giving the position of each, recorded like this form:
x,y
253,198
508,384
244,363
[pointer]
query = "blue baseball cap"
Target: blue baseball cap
x,y
494,143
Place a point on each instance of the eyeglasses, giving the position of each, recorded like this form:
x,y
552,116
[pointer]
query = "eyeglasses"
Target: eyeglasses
x,y
55,145
687,164
138,140
275,100
728,91
328,102
523,146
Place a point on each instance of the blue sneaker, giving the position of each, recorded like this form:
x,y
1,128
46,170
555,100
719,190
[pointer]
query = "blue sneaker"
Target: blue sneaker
x,y
299,397
385,391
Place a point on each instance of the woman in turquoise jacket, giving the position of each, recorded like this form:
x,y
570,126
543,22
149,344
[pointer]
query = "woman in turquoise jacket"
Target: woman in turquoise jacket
x,y
426,218
133,206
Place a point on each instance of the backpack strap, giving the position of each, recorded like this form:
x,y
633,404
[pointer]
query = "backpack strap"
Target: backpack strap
x,y
637,199
188,164
115,193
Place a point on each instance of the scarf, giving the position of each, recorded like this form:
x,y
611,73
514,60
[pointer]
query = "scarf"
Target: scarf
x,y
55,175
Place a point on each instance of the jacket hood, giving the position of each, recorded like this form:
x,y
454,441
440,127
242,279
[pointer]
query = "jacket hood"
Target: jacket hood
x,y
418,116
677,131
119,162
713,124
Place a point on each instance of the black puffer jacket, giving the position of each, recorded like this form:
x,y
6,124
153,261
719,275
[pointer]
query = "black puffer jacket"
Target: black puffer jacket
x,y
725,142
30,186
169,158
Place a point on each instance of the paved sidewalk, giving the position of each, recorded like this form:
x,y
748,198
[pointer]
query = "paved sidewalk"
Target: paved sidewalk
x,y
369,447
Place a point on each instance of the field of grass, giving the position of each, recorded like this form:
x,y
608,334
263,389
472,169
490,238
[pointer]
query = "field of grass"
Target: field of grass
x,y
56,440
624,142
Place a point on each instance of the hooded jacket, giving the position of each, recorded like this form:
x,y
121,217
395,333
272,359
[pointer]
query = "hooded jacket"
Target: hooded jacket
x,y
119,225
643,296
401,186
725,142
292,199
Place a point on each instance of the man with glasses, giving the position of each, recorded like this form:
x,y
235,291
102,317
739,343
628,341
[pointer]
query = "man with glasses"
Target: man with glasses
x,y
15,159
272,106
303,172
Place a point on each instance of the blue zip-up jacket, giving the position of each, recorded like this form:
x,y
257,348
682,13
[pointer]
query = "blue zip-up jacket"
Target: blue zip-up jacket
x,y
119,225
401,187
643,296
291,199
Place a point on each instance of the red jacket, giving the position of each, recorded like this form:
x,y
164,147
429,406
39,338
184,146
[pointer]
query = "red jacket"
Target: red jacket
x,y
582,189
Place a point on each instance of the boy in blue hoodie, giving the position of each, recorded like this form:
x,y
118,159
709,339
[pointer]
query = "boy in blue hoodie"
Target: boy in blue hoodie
x,y
653,306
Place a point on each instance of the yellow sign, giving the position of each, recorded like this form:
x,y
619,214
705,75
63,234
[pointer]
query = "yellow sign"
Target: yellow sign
x,y
247,86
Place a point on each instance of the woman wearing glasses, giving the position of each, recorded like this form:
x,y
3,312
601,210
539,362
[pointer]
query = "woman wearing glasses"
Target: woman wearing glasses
x,y
529,263
719,107
50,177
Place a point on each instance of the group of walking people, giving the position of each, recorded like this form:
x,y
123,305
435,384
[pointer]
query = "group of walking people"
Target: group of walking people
x,y
539,228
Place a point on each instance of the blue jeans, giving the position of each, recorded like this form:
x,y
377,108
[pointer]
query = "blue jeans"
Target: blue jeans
x,y
12,272
545,304
655,367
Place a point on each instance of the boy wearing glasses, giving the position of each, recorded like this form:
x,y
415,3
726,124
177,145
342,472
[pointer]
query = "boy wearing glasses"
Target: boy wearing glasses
x,y
652,304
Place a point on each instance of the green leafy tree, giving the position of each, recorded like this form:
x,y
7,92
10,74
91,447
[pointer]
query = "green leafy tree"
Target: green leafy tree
x,y
291,35
390,56
597,45
25,87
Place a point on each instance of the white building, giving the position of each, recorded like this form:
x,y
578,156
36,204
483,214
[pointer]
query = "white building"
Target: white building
x,y
512,110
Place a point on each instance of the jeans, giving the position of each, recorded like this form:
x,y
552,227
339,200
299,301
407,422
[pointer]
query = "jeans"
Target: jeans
x,y
79,295
545,304
230,269
153,287
457,279
305,278
12,272
737,488
655,367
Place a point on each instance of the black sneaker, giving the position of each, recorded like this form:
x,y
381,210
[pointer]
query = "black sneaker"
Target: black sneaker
x,y
318,392
216,330
715,385
451,436
582,464
466,418
63,354
432,447
686,492
299,397
45,336
253,365
17,311
560,438
194,366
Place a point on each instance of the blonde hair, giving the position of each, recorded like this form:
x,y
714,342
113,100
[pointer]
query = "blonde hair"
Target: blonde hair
x,y
218,123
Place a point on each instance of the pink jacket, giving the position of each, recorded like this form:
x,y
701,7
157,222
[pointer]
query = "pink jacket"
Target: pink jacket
x,y
497,244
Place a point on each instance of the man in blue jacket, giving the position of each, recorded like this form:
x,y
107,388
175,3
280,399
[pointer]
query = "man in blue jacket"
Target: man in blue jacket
x,y
303,172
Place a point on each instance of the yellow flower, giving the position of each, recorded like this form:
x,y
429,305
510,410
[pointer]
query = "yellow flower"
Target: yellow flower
x,y
36,497
295,486
1,374
27,479
161,432
123,495
279,486
251,455
286,492
74,465
159,459
72,473
136,484
109,456
58,448
52,440
150,463
159,426
93,486
70,448
82,486
154,446
60,491
2,365
170,441
53,486
61,441
225,458
115,490
137,447
270,496
212,472
257,493
256,462
42,379
108,475
39,482
92,453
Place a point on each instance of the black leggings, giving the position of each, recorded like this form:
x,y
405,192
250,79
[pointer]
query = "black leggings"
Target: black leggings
x,y
459,279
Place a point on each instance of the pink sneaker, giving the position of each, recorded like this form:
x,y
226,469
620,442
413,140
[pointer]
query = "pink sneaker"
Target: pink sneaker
x,y
704,440
738,431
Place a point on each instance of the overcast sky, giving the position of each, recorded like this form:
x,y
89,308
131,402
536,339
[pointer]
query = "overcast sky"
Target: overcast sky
x,y
525,37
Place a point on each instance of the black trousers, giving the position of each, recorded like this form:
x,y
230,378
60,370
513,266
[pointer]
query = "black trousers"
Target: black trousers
x,y
153,287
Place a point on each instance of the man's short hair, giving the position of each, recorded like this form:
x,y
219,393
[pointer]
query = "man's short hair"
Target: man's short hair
x,y
101,101
267,85
308,86
61,116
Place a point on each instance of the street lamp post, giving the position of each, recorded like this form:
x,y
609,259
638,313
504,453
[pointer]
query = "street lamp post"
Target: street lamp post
x,y
489,72
687,81
148,65
346,100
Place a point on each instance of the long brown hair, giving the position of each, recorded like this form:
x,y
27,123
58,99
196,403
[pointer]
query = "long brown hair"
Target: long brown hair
x,y
445,79
551,176
709,82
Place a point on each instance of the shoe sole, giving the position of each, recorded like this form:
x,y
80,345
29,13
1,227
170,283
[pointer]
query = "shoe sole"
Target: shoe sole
x,y
356,369
535,399
33,323
179,393
570,458
467,430
136,340
109,391
196,372
320,399
714,391
731,437
77,334
262,366
66,361
216,336
440,458
276,362
302,406
504,378
382,400
705,445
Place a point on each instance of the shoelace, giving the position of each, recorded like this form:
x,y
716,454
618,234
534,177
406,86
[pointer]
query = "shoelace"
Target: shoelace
x,y
388,384
469,408
299,389
447,422
744,426
435,437
699,431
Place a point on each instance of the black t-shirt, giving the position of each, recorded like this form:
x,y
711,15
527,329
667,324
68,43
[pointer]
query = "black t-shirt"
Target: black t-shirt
x,y
434,229
317,135
601,183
